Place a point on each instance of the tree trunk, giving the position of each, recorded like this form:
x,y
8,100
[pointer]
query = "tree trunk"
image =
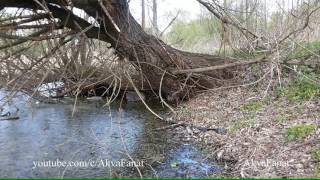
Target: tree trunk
x,y
247,16
155,17
143,14
157,61
265,17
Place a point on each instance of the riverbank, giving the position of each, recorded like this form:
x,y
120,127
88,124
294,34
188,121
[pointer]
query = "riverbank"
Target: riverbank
x,y
274,134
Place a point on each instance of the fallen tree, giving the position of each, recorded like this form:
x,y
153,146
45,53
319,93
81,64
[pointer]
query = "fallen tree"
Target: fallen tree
x,y
177,73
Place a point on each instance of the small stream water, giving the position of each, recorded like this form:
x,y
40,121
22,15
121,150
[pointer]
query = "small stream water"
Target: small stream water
x,y
91,138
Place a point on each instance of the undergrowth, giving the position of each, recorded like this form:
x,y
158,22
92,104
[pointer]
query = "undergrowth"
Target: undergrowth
x,y
305,49
301,89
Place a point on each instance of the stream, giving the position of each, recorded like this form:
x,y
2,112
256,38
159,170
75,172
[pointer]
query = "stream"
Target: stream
x,y
89,140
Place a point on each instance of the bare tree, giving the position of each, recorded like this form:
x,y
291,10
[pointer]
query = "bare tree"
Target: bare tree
x,y
114,24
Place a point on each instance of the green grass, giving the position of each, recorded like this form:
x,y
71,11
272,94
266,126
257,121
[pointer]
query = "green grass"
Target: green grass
x,y
282,118
249,111
305,49
316,154
301,90
299,132
247,122
244,54
252,106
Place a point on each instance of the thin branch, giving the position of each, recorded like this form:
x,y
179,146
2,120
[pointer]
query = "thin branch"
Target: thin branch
x,y
219,67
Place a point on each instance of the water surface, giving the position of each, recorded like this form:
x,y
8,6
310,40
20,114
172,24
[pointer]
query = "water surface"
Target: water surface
x,y
90,132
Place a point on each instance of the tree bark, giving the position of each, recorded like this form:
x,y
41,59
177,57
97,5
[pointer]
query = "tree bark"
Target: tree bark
x,y
154,58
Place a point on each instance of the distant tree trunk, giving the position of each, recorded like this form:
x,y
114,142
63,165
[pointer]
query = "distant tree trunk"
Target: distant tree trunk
x,y
7,63
225,32
256,17
225,4
241,19
247,16
143,15
265,16
155,17
242,11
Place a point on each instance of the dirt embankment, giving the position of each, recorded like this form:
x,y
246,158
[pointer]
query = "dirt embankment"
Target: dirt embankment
x,y
268,135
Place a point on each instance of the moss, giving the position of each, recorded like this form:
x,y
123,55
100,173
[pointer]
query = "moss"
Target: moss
x,y
300,131
251,107
301,90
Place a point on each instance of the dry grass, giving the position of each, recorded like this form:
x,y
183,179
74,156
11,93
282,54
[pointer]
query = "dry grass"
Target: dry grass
x,y
257,131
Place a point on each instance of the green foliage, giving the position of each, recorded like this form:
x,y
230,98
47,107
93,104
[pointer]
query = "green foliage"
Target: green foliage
x,y
300,131
316,154
305,50
252,106
301,89
282,118
245,54
317,172
186,34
